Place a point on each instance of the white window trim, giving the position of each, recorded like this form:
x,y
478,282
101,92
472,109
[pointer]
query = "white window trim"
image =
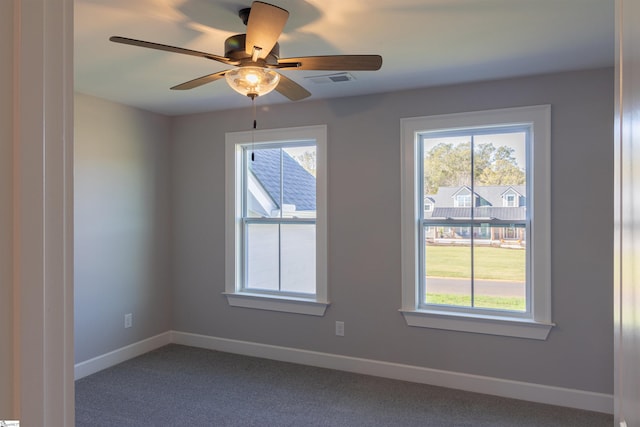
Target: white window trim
x,y
315,305
539,324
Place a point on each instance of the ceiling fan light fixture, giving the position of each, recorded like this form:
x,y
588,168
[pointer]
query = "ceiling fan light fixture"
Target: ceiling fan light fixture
x,y
257,54
252,81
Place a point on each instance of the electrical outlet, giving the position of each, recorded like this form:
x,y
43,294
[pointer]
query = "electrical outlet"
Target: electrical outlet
x,y
340,329
128,320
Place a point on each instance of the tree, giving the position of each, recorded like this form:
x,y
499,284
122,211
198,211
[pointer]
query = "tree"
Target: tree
x,y
503,169
449,165
308,161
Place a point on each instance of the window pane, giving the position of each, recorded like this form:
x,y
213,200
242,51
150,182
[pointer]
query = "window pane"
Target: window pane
x,y
500,269
263,182
500,175
448,270
298,258
447,176
299,182
281,182
262,266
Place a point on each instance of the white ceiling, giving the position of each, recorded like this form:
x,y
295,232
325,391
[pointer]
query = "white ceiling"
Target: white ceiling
x,y
422,43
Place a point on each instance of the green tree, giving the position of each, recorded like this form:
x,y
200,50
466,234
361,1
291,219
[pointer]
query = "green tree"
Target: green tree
x,y
449,165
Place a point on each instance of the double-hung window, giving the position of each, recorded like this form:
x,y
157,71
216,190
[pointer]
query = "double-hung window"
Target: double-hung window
x,y
479,261
276,220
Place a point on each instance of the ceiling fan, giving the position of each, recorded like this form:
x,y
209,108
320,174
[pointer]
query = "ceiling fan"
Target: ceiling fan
x,y
256,56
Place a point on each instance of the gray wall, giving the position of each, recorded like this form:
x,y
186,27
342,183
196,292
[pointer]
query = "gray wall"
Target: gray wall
x,y
6,209
364,232
122,225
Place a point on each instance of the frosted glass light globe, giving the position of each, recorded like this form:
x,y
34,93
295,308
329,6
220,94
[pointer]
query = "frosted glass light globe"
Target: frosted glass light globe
x,y
252,81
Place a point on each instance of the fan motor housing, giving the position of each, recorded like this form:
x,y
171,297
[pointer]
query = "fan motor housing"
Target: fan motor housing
x,y
234,48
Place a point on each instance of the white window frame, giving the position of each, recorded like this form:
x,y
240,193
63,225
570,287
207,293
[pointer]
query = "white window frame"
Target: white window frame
x,y
314,305
536,324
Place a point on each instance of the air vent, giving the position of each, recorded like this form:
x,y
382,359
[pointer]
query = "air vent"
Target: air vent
x,y
331,78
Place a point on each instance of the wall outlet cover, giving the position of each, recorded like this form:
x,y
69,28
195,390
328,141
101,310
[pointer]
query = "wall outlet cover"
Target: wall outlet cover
x,y
128,320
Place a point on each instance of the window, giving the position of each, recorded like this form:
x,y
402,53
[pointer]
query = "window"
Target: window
x,y
276,220
428,206
478,267
510,200
463,200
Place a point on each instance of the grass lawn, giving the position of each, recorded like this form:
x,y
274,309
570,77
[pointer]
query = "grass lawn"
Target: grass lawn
x,y
481,301
489,262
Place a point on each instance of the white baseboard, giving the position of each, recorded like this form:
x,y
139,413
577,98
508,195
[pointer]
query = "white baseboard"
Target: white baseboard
x,y
560,396
120,355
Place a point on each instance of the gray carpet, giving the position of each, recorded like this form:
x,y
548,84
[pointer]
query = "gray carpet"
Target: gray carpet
x,y
185,386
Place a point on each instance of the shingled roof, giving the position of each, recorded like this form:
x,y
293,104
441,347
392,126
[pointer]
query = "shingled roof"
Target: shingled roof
x,y
299,185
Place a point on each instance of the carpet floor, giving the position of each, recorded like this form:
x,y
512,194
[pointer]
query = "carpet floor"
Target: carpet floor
x,y
185,386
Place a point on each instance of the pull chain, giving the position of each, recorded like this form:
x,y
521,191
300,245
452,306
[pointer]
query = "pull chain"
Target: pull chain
x,y
253,102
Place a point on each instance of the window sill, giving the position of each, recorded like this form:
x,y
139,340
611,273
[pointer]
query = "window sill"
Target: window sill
x,y
480,324
285,304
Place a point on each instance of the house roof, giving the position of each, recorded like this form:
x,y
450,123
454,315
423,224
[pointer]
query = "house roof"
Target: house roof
x,y
491,206
298,184
492,194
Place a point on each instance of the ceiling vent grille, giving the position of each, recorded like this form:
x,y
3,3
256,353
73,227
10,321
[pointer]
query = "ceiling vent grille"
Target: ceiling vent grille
x,y
331,78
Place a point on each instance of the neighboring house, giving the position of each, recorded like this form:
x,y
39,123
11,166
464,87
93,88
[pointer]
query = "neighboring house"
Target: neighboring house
x,y
491,202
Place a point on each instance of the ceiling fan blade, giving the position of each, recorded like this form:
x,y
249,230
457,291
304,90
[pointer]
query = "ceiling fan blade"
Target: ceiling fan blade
x,y
291,89
200,81
167,48
265,25
333,62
